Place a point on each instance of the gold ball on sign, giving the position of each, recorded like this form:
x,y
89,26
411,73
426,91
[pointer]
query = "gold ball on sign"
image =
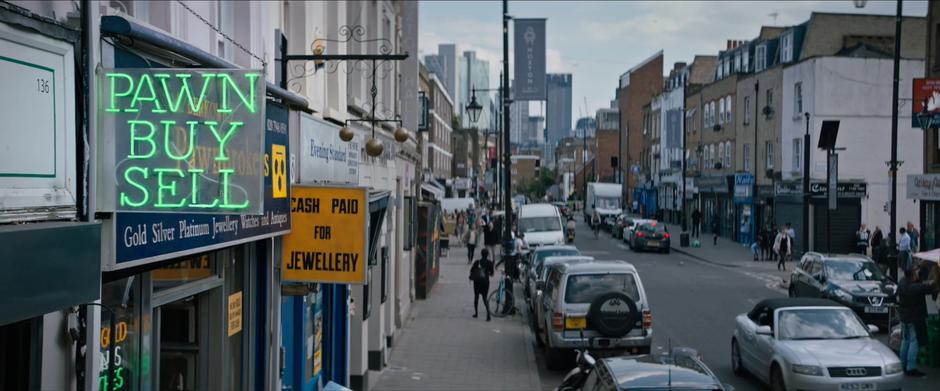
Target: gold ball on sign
x,y
346,134
401,135
374,147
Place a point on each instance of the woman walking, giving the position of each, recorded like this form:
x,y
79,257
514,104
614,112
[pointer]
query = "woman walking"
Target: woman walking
x,y
480,273
783,246
473,237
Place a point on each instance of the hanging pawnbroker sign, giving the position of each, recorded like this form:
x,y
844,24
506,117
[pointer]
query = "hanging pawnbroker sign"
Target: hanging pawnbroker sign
x,y
529,72
328,240
181,140
324,157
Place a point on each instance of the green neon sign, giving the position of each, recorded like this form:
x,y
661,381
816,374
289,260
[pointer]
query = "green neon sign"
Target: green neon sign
x,y
183,139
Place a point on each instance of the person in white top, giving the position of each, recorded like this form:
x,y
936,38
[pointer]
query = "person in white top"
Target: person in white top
x,y
904,249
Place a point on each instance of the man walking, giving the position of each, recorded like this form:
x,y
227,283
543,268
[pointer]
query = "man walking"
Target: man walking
x,y
783,246
480,273
490,236
716,226
913,314
904,250
696,220
915,237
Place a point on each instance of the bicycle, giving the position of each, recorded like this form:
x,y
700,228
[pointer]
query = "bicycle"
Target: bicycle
x,y
501,301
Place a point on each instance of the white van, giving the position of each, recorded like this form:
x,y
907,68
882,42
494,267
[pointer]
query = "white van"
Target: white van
x,y
541,224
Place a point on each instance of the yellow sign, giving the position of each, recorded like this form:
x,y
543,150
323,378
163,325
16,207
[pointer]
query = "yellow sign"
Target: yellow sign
x,y
327,242
234,313
278,171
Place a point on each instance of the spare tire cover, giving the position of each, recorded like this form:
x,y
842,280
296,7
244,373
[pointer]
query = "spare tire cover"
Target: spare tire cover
x,y
613,314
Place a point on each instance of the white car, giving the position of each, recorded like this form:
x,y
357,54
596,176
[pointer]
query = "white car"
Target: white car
x,y
811,344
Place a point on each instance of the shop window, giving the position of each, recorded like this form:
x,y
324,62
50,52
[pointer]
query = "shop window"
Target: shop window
x,y
190,269
797,154
121,300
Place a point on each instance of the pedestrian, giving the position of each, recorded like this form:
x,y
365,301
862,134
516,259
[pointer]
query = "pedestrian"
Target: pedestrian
x,y
473,237
769,233
913,315
461,225
480,273
862,237
518,250
696,220
783,246
595,223
791,232
915,237
877,248
490,236
904,250
716,226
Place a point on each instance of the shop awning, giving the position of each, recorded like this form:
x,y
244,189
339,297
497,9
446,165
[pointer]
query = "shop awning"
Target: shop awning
x,y
932,255
378,205
48,267
112,24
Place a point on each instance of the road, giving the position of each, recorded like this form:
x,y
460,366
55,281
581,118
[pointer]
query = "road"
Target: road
x,y
694,304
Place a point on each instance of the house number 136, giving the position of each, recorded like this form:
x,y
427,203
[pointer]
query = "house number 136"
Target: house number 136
x,y
42,85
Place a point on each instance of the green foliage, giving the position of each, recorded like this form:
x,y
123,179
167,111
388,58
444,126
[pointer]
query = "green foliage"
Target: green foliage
x,y
536,188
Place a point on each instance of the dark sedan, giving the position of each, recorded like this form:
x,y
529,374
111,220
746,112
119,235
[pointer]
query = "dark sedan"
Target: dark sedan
x,y
854,281
681,370
650,236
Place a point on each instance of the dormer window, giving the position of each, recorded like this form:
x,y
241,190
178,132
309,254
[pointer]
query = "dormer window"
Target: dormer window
x,y
786,51
760,58
744,62
737,62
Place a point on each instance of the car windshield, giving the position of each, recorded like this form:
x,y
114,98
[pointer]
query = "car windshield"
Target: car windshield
x,y
820,323
539,224
584,288
607,202
853,270
650,228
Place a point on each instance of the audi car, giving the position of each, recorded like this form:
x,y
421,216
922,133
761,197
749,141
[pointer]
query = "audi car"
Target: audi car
x,y
811,344
650,236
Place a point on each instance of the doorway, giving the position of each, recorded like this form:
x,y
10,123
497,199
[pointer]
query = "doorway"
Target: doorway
x,y
182,362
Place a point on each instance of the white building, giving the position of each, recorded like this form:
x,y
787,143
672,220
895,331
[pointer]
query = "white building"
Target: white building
x,y
857,92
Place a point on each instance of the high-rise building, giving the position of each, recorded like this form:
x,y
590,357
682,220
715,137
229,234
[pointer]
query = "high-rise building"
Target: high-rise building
x,y
474,73
519,122
446,65
558,107
585,126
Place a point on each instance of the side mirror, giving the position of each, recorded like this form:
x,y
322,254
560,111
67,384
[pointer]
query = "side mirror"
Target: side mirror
x,y
540,285
764,330
819,277
873,329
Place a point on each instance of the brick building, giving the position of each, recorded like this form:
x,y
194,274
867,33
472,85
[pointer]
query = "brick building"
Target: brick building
x,y
636,88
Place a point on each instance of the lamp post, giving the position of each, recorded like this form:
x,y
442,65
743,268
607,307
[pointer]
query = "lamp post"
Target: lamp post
x,y
507,198
474,109
806,185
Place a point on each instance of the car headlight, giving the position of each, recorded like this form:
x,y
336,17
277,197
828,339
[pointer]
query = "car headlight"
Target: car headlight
x,y
894,367
841,294
809,370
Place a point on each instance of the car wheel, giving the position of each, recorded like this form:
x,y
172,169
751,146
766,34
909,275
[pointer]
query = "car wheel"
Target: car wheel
x,y
554,359
736,359
535,329
776,379
667,250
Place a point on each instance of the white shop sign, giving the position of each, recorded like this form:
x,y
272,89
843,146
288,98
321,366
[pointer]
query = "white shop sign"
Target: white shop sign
x,y
37,131
923,187
324,157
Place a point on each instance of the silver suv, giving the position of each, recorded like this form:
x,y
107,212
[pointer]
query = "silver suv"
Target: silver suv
x,y
600,305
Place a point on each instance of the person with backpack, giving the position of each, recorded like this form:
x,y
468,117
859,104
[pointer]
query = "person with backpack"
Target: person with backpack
x,y
480,273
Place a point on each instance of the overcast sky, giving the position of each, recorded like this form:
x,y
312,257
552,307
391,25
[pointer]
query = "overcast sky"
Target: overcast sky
x,y
596,41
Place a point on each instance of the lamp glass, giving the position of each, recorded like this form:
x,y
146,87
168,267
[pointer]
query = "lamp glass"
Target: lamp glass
x,y
474,108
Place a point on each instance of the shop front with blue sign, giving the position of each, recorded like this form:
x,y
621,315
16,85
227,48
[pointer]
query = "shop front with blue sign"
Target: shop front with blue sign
x,y
743,202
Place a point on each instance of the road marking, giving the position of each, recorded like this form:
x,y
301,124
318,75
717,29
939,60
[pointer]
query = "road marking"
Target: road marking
x,y
597,252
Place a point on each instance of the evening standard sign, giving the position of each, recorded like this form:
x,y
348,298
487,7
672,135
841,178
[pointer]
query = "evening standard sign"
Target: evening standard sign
x,y
181,140
923,187
328,240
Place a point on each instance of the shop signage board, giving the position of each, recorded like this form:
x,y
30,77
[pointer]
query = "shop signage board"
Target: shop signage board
x,y
234,313
324,157
926,91
37,135
181,140
328,243
923,187
843,189
141,237
529,64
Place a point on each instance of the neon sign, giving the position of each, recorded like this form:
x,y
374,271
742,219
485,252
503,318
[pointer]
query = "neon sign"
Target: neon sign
x,y
183,140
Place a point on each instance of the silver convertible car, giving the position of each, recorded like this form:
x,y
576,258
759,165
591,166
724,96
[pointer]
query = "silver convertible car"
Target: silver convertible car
x,y
811,344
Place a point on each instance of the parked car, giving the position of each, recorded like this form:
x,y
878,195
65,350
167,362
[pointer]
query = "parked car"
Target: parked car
x,y
854,281
682,369
542,273
622,221
536,257
631,226
651,236
811,344
599,305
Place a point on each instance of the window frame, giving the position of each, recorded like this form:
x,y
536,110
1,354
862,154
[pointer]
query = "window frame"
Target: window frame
x,y
760,57
769,155
797,99
786,43
747,111
746,158
797,154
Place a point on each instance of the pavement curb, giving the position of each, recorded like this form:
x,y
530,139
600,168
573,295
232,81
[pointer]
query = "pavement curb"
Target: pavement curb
x,y
530,342
703,259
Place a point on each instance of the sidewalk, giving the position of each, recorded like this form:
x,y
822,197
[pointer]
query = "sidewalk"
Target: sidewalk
x,y
731,254
443,348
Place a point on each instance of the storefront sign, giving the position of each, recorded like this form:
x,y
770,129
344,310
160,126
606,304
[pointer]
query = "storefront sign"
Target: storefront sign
x,y
788,188
712,184
923,187
328,242
529,64
181,140
234,313
926,91
843,190
743,187
144,237
324,157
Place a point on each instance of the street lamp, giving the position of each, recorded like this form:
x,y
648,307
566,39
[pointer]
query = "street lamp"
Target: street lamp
x,y
474,108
